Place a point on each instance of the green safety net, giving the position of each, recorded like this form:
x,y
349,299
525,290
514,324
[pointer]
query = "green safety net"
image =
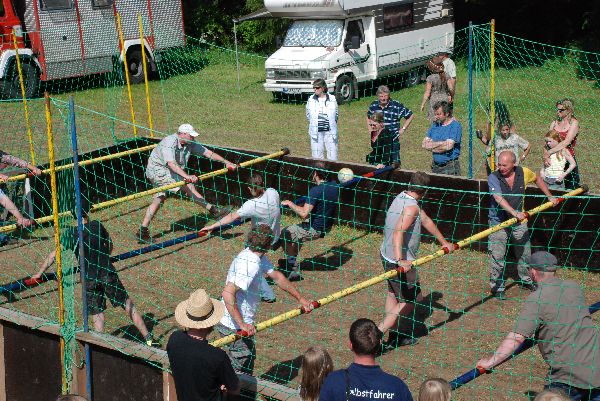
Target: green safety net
x,y
456,323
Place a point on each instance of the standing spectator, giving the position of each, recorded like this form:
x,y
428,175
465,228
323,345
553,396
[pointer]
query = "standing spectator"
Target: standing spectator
x,y
382,142
201,371
165,166
393,112
567,127
557,316
401,240
241,295
438,87
101,278
364,379
506,139
507,185
263,208
7,160
316,365
435,390
322,115
443,141
449,66
318,213
555,173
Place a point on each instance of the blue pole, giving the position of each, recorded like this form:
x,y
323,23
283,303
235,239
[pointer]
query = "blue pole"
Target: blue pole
x,y
475,373
470,99
80,242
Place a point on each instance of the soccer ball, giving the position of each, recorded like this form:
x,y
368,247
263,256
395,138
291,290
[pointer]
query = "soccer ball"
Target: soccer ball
x,y
344,175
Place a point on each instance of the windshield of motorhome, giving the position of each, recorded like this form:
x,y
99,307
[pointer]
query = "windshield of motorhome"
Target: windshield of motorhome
x,y
321,33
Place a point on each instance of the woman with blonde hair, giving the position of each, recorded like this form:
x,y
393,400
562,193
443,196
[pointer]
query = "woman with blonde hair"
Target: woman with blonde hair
x,y
435,390
567,127
438,88
316,365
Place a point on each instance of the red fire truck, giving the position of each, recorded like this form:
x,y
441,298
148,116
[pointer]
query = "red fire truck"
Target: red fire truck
x,y
71,38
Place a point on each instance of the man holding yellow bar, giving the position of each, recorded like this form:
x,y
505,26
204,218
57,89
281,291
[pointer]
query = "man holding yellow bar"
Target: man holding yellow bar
x,y
166,166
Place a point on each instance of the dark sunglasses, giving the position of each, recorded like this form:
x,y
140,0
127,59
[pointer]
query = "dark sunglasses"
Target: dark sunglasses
x,y
561,110
317,87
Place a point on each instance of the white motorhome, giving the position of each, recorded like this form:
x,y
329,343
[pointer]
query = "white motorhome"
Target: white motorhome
x,y
70,38
349,42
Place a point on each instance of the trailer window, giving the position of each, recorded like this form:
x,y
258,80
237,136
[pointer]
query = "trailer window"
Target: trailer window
x,y
102,3
398,17
355,28
320,33
52,5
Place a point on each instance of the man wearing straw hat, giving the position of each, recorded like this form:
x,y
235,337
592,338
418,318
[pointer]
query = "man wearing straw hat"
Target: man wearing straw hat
x,y
165,166
201,371
241,295
556,315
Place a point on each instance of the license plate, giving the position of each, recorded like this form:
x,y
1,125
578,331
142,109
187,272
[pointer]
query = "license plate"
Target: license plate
x,y
291,91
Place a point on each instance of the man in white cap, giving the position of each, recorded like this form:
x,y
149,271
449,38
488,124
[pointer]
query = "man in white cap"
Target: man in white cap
x,y
557,317
165,166
201,371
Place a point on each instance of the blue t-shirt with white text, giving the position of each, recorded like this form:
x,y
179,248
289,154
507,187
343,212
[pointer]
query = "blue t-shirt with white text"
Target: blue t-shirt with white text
x,y
365,383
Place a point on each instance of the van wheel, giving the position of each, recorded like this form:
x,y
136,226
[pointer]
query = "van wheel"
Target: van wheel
x,y
10,87
344,89
135,66
413,77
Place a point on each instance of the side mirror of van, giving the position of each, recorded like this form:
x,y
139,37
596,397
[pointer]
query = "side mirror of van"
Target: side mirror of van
x,y
353,43
278,41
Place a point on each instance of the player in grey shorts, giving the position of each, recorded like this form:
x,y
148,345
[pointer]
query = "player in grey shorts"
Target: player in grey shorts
x,y
402,237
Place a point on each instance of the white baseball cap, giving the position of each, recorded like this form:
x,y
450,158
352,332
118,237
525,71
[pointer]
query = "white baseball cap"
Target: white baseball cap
x,y
188,129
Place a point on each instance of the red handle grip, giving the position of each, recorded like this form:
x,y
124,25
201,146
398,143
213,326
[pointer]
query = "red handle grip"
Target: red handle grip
x,y
455,247
481,370
30,282
242,333
315,305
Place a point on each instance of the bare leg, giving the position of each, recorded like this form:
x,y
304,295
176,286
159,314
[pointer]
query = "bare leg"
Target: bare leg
x,y
136,318
98,320
395,309
191,191
152,209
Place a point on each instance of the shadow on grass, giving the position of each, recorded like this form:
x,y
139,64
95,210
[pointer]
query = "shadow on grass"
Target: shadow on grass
x,y
283,372
333,259
130,332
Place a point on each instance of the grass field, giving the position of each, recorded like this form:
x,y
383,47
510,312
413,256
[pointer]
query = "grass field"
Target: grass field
x,y
458,323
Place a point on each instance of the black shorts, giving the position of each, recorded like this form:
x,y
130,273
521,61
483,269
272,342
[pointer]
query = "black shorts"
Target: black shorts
x,y
405,287
99,290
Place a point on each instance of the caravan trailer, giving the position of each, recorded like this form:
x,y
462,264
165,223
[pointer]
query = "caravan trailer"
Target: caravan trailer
x,y
70,38
349,42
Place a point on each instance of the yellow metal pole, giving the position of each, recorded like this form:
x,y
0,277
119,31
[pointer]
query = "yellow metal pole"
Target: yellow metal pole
x,y
393,273
90,161
58,259
122,42
127,198
146,76
25,107
492,94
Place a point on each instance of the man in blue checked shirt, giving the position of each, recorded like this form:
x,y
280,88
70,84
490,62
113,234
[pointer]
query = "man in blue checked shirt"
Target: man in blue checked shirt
x,y
392,111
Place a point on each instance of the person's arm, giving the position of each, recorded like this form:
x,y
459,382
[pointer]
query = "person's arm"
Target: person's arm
x,y
215,156
230,218
15,161
539,181
430,226
285,284
302,211
426,95
407,123
526,149
451,87
438,147
8,204
176,168
407,218
572,164
571,134
507,207
230,301
49,261
507,347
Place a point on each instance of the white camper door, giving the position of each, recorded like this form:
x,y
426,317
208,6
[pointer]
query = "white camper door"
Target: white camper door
x,y
360,61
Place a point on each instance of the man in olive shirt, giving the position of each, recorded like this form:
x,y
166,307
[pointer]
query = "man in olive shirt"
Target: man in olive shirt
x,y
566,334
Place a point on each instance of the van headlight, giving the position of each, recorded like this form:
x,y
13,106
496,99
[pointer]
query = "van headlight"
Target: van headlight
x,y
270,74
318,74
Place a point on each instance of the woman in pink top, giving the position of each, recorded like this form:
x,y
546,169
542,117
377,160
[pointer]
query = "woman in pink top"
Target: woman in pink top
x,y
567,127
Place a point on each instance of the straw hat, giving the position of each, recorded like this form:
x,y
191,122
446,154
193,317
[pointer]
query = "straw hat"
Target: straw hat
x,y
199,311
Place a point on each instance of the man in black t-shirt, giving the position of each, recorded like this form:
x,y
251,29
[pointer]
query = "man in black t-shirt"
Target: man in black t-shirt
x,y
201,371
101,279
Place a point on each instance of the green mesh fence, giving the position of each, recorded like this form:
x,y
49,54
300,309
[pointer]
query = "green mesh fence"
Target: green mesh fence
x,y
457,323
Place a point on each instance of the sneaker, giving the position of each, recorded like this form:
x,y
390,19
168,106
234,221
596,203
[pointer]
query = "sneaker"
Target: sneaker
x,y
268,300
294,276
152,342
395,341
530,286
499,295
219,212
144,235
9,241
